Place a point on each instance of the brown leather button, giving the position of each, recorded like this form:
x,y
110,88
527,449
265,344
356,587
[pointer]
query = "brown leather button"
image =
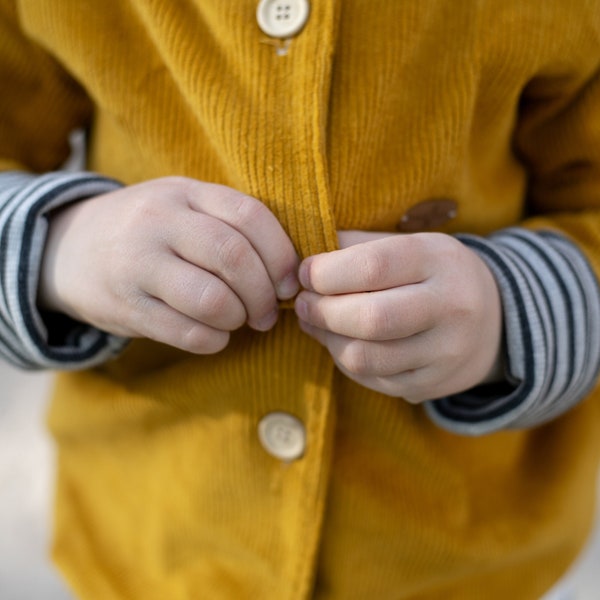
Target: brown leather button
x,y
427,215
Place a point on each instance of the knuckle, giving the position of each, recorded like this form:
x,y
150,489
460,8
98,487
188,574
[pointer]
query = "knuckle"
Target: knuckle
x,y
373,267
373,321
414,398
453,248
150,198
132,311
418,244
181,187
431,242
145,213
136,304
410,390
233,253
356,359
201,340
214,302
176,181
247,210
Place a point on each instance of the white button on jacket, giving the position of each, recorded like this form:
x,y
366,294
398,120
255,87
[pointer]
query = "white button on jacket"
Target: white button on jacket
x,y
282,435
282,18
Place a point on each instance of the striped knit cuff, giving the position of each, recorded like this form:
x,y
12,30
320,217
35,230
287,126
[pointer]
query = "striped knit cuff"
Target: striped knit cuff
x,y
551,304
25,200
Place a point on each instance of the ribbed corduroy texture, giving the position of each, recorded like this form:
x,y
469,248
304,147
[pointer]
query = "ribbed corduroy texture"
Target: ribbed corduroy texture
x,y
164,490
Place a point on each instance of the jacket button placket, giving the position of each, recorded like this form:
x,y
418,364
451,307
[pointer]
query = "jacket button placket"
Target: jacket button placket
x,y
296,101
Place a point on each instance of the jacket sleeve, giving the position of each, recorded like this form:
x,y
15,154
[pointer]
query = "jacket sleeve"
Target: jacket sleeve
x,y
547,269
39,106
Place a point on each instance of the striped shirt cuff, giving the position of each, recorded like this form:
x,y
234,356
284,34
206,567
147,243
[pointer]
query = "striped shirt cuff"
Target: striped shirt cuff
x,y
25,201
551,304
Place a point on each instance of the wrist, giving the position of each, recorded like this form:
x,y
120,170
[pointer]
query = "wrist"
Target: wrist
x,y
52,269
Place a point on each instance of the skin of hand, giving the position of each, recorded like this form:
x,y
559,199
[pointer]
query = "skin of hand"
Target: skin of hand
x,y
176,260
416,316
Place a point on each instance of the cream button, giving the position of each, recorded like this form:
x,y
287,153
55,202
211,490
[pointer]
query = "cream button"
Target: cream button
x,y
282,436
282,18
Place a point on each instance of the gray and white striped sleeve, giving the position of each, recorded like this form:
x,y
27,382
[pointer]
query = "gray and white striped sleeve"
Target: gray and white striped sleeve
x,y
551,304
25,201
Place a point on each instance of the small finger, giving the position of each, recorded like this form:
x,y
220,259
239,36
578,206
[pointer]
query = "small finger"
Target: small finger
x,y
367,358
195,293
153,319
409,383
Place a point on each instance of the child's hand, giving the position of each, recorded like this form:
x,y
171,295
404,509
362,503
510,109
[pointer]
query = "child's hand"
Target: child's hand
x,y
176,260
417,316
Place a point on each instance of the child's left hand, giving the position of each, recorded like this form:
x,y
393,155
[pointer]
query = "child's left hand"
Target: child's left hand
x,y
417,316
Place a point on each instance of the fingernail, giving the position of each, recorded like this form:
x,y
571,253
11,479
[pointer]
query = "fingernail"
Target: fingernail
x,y
288,287
304,273
301,308
267,321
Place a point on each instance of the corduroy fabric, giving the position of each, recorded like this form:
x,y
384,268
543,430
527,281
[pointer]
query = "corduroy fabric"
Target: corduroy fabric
x,y
163,489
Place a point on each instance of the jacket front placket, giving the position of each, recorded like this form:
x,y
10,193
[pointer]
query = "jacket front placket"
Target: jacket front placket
x,y
290,174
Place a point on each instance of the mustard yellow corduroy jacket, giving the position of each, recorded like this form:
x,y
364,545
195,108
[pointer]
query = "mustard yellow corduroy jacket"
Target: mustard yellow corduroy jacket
x,y
164,490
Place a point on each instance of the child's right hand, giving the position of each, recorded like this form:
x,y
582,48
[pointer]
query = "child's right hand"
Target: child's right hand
x,y
176,260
